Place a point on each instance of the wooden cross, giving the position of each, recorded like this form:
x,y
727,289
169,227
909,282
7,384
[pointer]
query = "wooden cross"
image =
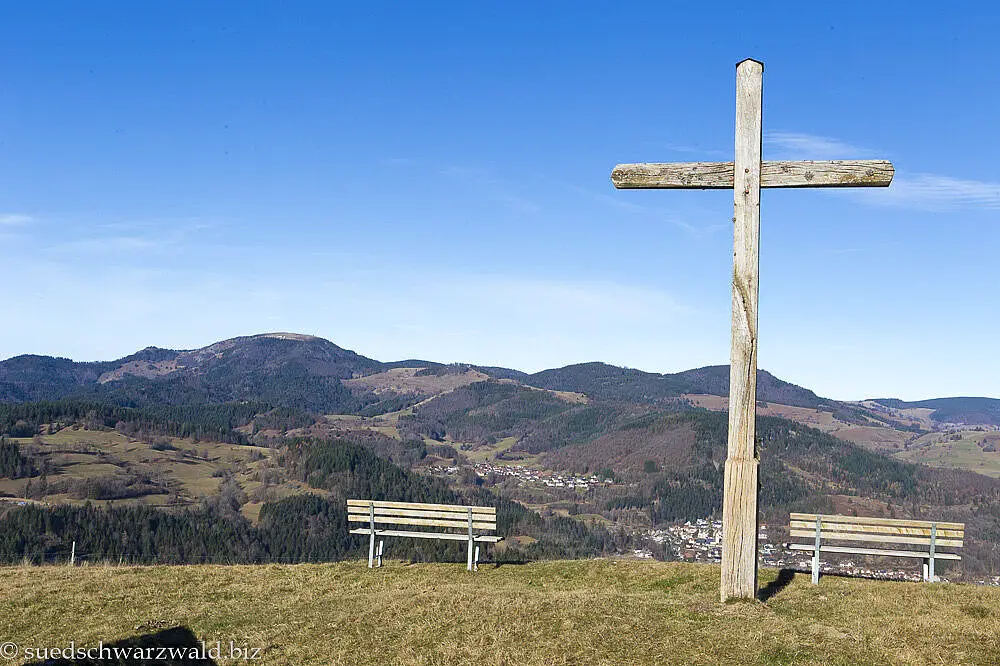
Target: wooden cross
x,y
746,176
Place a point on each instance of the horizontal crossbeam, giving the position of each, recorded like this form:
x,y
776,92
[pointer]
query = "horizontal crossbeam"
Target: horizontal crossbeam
x,y
719,175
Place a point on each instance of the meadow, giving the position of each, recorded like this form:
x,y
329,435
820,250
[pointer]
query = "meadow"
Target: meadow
x,y
558,612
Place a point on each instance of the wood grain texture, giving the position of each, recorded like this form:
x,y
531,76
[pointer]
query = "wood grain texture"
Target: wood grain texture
x,y
430,522
786,174
445,536
426,513
874,529
739,506
867,520
873,551
874,538
363,504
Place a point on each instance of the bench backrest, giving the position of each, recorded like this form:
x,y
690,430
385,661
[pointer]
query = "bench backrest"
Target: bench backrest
x,y
928,533
482,518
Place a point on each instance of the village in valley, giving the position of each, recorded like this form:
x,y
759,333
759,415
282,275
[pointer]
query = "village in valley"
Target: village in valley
x,y
701,541
696,540
526,475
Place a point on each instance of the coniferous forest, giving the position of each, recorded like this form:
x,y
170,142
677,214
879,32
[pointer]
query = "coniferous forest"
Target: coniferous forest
x,y
247,451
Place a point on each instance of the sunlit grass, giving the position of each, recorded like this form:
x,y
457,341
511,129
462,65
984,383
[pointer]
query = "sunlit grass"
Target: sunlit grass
x,y
575,612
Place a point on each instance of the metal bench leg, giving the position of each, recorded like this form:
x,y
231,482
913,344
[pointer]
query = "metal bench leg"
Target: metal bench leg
x,y
475,560
930,560
471,541
815,571
380,544
371,540
926,568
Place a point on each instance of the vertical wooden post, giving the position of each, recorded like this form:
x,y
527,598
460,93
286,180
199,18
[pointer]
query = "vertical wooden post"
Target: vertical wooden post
x,y
816,552
739,505
371,539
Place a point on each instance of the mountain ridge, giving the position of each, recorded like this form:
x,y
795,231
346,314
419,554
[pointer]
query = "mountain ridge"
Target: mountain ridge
x,y
251,367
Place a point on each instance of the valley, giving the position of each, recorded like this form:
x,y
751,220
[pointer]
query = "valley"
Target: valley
x,y
587,459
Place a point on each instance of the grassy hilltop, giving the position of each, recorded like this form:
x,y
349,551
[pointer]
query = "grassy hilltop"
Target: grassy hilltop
x,y
563,612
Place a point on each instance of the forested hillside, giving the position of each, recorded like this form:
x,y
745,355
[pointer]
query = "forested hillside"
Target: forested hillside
x,y
246,451
972,411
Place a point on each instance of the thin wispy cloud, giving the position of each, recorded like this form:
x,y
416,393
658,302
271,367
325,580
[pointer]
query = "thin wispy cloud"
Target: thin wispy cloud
x,y
696,232
695,150
493,187
133,238
920,191
620,201
570,298
15,219
801,146
112,244
936,193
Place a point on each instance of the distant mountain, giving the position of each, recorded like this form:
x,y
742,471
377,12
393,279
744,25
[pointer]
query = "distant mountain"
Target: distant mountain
x,y
609,382
968,411
30,377
281,369
167,420
307,372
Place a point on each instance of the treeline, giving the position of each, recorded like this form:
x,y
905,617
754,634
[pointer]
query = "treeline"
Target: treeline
x,y
283,418
12,464
486,412
482,412
697,493
296,529
137,535
104,487
348,470
199,422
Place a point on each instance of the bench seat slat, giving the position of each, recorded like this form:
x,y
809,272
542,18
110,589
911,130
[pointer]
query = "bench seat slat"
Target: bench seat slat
x,y
363,504
835,526
487,538
874,538
865,520
873,551
428,522
423,513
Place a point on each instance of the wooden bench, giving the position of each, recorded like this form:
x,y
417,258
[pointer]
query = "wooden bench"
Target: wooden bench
x,y
472,520
932,535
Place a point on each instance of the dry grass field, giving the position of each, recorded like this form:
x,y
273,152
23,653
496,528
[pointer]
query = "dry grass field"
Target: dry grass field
x,y
973,450
184,473
407,380
572,612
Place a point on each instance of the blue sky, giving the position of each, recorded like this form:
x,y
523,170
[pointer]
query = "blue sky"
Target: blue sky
x,y
432,181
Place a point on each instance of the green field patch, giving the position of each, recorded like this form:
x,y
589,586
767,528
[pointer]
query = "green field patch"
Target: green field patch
x,y
939,450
